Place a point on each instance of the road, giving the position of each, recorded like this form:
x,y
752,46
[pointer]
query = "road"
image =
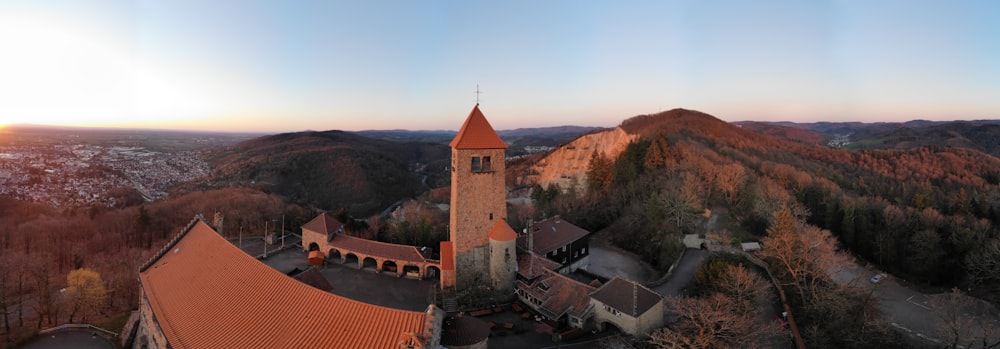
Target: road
x,y
910,311
683,273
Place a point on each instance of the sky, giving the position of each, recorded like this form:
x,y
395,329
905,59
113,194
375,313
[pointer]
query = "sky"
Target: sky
x,y
280,66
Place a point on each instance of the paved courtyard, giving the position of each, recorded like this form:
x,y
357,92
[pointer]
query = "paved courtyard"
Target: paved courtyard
x,y
364,285
69,339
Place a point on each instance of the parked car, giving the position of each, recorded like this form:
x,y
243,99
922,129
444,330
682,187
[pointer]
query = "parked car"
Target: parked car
x,y
875,279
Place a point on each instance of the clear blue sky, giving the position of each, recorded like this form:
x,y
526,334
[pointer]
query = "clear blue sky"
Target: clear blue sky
x,y
297,65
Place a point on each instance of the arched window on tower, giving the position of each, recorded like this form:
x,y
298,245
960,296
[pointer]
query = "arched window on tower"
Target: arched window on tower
x,y
482,164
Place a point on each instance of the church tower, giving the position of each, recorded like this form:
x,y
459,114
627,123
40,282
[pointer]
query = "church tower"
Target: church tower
x,y
478,203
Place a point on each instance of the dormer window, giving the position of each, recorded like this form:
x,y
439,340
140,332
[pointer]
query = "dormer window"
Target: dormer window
x,y
482,164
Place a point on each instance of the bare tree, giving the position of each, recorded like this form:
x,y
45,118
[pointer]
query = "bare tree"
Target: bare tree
x,y
962,322
983,267
712,323
806,254
745,287
729,179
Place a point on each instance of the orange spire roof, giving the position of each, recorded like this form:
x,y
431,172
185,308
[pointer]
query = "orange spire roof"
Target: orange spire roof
x,y
502,232
476,133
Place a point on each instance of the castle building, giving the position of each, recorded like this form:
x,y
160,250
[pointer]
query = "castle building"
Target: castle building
x,y
481,250
201,291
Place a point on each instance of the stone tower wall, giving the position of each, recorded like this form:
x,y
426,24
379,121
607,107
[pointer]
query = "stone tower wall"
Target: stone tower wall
x,y
478,200
503,265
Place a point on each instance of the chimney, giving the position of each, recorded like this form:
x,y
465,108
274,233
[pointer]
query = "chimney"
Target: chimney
x,y
218,223
531,235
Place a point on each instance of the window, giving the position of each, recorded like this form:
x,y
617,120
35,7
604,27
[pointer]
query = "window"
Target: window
x,y
477,165
486,164
491,216
482,164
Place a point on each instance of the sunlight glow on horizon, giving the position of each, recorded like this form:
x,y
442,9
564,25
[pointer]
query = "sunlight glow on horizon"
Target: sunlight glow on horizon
x,y
278,67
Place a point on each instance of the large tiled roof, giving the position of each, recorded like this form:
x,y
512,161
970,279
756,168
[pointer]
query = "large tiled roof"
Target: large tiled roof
x,y
559,294
530,265
400,253
476,133
553,233
323,224
206,293
626,296
502,231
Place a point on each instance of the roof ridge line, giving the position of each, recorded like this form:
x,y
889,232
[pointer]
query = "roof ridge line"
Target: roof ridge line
x,y
173,242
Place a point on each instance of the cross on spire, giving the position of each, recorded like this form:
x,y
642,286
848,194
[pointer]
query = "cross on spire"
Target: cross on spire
x,y
477,94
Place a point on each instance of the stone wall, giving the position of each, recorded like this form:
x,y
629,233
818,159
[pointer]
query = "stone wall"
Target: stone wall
x,y
478,200
149,334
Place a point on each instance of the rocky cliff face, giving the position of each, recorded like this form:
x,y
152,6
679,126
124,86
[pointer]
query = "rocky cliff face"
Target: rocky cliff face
x,y
567,165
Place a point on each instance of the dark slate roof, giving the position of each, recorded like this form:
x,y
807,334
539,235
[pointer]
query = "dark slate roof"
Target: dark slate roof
x,y
530,265
553,233
626,296
312,277
461,331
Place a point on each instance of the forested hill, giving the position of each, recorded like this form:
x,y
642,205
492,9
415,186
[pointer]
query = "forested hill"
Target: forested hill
x,y
981,135
922,213
331,169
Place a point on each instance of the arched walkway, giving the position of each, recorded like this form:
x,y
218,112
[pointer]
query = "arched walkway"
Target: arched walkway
x,y
433,272
334,255
376,256
352,260
411,271
390,267
369,263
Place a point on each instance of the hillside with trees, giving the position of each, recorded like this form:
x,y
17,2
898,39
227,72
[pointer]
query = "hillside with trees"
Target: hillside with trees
x,y
982,135
331,170
94,254
926,214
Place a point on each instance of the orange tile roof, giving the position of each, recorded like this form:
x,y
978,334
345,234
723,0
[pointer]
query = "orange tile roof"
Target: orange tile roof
x,y
627,296
559,294
335,238
530,265
476,133
447,255
502,231
400,253
553,233
323,224
206,293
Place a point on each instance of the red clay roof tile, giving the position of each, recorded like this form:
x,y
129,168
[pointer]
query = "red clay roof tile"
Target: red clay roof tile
x,y
559,294
323,224
202,276
447,255
502,231
476,133
530,265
